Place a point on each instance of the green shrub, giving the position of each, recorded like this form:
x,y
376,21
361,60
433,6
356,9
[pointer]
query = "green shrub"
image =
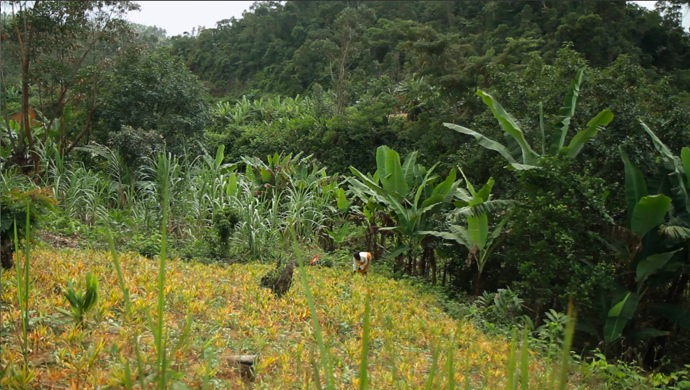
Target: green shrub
x,y
554,250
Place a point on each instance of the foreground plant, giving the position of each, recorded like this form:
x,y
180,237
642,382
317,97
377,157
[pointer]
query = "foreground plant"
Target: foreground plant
x,y
81,302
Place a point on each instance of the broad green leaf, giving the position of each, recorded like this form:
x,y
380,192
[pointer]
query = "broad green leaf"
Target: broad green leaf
x,y
593,126
220,155
565,114
522,167
478,227
408,168
464,197
485,191
681,199
635,186
249,173
468,184
381,161
395,252
341,201
422,186
510,126
497,230
660,146
231,187
619,315
651,264
542,132
648,333
367,185
485,207
513,146
440,193
649,212
483,141
394,180
685,159
457,233
266,175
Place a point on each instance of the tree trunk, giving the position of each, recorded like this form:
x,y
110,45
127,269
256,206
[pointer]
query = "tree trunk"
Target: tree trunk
x,y
430,258
22,147
342,68
478,286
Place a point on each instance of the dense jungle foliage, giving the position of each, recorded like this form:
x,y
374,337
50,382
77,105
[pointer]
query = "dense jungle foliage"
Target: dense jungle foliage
x,y
513,156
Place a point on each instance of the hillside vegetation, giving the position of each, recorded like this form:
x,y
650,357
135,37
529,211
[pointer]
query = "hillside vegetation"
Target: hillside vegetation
x,y
527,163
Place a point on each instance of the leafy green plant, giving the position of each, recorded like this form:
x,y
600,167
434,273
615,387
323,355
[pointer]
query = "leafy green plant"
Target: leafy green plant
x,y
502,307
224,223
518,152
475,207
147,244
657,238
410,196
81,302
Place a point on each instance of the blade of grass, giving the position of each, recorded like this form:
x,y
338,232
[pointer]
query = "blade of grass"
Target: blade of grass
x,y
434,365
565,350
315,371
524,360
20,296
325,360
27,281
363,379
160,342
140,361
450,382
389,350
120,275
23,284
127,376
511,361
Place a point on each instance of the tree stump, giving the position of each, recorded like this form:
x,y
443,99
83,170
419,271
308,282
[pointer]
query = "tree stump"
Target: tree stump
x,y
279,279
245,363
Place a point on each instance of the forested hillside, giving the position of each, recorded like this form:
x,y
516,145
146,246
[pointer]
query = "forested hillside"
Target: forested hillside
x,y
517,157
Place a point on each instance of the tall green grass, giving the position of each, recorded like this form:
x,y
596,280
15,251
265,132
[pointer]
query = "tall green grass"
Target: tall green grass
x,y
160,337
24,376
326,365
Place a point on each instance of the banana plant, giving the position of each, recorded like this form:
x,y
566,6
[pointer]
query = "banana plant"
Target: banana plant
x,y
518,152
660,224
409,194
475,207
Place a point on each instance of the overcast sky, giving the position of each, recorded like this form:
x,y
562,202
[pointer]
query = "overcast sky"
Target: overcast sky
x,y
176,17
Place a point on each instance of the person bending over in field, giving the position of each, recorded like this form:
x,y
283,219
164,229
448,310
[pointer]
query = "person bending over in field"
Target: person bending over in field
x,y
360,262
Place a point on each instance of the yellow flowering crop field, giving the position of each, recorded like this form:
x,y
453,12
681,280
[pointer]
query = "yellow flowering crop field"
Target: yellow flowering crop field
x,y
227,313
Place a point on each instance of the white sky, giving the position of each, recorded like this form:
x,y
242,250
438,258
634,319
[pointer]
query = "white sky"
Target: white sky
x,y
176,17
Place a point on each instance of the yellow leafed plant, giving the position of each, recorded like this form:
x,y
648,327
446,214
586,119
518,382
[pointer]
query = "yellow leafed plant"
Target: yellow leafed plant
x,y
408,343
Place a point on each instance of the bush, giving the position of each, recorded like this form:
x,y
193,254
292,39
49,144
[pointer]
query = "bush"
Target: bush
x,y
554,250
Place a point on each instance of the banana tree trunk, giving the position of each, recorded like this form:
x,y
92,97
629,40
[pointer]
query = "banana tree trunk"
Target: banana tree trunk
x,y
429,259
370,238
